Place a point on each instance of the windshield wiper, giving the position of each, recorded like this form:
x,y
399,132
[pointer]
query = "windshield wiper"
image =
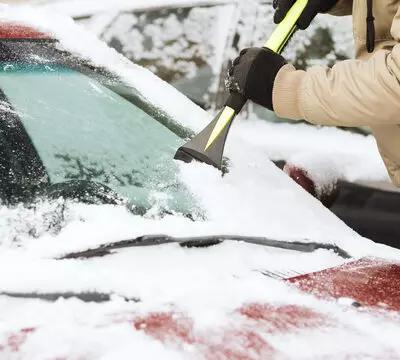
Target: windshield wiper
x,y
204,241
54,296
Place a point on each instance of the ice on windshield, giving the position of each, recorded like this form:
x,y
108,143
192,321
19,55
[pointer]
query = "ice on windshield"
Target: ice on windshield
x,y
84,131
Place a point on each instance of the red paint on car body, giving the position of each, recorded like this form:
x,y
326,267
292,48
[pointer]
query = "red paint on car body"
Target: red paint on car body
x,y
166,326
369,282
283,318
17,31
236,343
15,341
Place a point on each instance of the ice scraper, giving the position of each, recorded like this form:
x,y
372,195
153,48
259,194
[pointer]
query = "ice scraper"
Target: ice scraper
x,y
208,145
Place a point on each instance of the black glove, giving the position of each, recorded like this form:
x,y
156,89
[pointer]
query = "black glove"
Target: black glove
x,y
311,10
253,73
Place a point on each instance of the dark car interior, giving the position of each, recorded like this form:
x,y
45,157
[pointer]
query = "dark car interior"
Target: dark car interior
x,y
371,212
21,170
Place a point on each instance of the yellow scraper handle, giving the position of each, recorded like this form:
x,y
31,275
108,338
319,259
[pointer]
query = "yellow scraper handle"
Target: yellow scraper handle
x,y
208,145
286,27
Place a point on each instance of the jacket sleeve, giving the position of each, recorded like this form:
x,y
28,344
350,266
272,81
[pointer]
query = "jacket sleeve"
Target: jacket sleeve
x,y
342,8
351,93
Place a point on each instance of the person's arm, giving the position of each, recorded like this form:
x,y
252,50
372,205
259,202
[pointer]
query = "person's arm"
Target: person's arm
x,y
351,93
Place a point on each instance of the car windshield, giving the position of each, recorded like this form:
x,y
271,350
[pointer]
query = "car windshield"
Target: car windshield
x,y
85,131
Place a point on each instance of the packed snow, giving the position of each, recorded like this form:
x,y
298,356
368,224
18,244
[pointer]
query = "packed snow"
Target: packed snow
x,y
206,285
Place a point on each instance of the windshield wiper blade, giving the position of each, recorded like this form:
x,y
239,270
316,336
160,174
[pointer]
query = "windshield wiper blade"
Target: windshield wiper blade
x,y
204,241
54,296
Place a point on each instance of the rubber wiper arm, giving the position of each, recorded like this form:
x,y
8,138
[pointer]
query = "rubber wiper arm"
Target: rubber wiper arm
x,y
203,241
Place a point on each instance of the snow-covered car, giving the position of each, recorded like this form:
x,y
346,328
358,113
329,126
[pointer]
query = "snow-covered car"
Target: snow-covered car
x,y
190,44
250,265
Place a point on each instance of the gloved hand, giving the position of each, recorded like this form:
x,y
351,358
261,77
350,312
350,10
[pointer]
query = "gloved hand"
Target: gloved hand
x,y
312,9
253,73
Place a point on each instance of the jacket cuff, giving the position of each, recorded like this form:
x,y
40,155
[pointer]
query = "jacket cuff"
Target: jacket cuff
x,y
342,8
286,93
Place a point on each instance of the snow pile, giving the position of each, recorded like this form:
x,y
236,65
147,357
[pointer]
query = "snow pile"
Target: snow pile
x,y
21,222
346,155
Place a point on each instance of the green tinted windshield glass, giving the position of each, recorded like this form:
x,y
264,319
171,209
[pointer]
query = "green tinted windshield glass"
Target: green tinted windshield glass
x,y
84,131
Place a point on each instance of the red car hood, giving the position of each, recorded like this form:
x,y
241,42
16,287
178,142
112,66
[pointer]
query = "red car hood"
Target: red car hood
x,y
369,286
367,290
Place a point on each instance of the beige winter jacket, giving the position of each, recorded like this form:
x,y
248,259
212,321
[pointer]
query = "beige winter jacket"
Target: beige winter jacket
x,y
358,92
